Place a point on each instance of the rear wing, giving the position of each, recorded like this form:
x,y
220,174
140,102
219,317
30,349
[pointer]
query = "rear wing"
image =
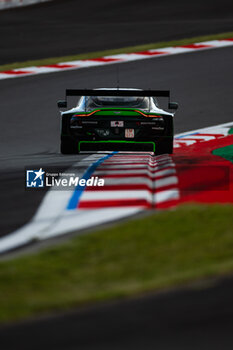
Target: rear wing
x,y
121,93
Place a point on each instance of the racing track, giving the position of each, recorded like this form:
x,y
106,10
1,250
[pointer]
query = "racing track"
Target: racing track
x,y
65,27
30,138
198,318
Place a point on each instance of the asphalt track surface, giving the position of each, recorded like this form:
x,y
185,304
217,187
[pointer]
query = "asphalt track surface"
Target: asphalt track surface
x,y
199,318
65,27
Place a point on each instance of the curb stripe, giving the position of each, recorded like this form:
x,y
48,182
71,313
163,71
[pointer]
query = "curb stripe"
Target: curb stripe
x,y
114,59
126,188
138,202
53,219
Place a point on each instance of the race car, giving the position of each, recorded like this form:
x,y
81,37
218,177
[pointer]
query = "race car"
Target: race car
x,y
117,119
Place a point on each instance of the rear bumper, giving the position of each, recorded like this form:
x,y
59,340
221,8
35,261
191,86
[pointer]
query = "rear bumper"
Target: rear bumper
x,y
116,145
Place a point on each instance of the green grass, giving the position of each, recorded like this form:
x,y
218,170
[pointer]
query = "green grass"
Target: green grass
x,y
160,251
54,60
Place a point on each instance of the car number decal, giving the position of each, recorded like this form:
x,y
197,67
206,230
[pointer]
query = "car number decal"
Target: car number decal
x,y
129,133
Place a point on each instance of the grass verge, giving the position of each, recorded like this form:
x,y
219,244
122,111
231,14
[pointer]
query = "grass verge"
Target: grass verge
x,y
54,60
159,251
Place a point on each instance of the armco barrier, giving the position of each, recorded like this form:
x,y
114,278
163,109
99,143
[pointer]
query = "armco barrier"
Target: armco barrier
x,y
4,4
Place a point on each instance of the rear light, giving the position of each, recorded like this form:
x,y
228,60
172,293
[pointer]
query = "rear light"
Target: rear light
x,y
148,115
87,115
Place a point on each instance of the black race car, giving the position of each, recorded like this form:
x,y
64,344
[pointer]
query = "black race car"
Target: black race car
x,y
117,120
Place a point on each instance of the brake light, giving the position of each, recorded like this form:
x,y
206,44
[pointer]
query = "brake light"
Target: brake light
x,y
147,115
86,115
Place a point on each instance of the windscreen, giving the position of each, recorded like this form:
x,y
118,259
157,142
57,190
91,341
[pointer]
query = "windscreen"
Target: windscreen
x,y
117,102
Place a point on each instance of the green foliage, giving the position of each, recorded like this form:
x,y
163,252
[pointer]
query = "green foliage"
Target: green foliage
x,y
165,249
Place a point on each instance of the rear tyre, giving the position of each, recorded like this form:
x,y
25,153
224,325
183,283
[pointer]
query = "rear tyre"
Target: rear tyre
x,y
164,147
68,146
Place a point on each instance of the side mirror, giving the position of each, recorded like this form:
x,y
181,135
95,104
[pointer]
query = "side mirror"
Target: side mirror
x,y
62,104
173,105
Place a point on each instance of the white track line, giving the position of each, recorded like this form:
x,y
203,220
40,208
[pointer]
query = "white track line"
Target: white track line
x,y
111,195
219,128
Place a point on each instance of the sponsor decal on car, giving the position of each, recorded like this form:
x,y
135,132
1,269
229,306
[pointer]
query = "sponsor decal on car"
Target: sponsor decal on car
x,y
117,123
129,133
